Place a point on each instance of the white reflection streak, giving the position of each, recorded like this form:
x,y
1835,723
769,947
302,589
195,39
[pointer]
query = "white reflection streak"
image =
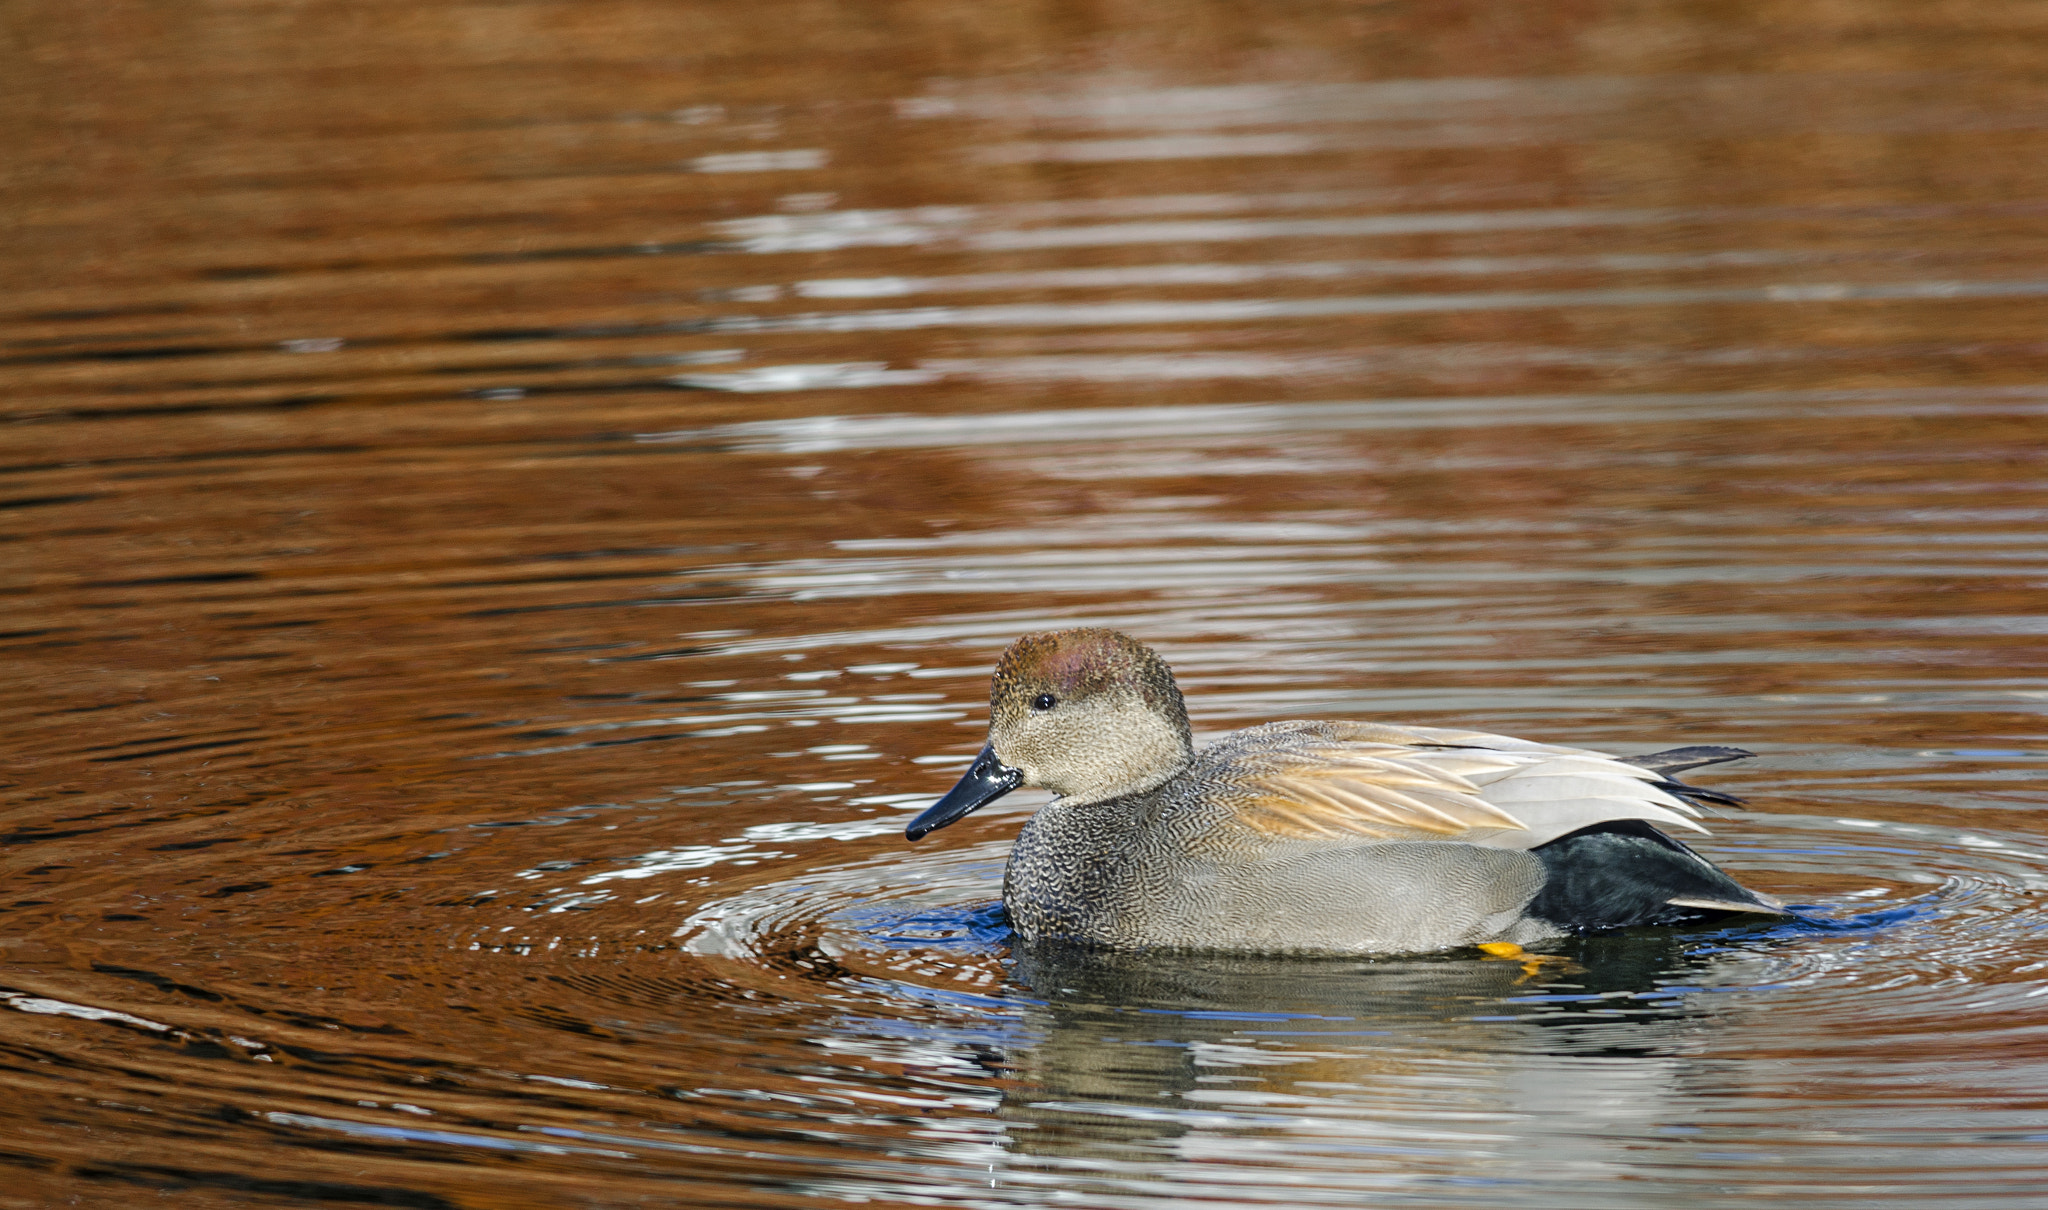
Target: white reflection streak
x,y
775,233
1178,147
1224,274
1162,367
687,857
1252,310
895,228
1463,99
1157,367
833,229
1098,571
1482,110
412,1134
1214,570
761,161
1095,368
845,375
44,1006
826,434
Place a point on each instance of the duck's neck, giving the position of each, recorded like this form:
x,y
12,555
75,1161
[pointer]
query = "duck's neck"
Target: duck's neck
x,y
1131,786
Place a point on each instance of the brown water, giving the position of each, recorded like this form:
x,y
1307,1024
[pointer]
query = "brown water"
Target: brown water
x,y
510,507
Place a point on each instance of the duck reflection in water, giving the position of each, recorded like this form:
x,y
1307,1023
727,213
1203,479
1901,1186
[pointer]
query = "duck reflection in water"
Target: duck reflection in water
x,y
1401,1062
1316,838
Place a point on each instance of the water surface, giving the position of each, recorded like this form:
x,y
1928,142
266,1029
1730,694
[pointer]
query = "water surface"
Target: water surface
x,y
510,508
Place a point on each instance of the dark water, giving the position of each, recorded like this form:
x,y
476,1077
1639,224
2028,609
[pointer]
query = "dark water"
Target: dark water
x,y
509,507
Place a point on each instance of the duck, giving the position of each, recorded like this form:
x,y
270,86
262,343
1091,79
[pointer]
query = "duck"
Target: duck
x,y
1311,837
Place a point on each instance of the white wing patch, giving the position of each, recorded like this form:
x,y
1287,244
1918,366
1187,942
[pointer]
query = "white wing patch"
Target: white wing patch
x,y
1554,796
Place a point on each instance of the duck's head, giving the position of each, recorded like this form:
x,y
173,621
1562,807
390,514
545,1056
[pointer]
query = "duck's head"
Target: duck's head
x,y
1087,714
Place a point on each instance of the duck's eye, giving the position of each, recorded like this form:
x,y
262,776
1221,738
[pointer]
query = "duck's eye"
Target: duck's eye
x,y
1044,701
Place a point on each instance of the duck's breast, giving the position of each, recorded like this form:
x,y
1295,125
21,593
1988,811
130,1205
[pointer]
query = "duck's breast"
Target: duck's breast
x,y
1122,874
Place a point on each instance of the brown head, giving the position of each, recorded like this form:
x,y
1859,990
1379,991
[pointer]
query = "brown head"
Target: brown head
x,y
1088,714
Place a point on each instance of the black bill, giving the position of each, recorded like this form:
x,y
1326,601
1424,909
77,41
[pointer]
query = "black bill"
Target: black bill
x,y
986,780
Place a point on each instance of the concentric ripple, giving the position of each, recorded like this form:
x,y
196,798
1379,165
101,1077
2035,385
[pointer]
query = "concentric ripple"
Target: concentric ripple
x,y
1422,1075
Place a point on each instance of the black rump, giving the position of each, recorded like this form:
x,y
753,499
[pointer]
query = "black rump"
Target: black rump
x,y
1625,873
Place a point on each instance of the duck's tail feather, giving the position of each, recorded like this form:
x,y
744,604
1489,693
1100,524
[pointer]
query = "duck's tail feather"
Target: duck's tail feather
x,y
1677,760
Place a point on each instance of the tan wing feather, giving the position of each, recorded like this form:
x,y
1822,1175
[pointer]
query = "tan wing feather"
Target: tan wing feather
x,y
1377,782
1328,790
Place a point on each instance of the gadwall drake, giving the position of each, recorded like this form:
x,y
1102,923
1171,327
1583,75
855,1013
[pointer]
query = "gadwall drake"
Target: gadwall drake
x,y
1316,837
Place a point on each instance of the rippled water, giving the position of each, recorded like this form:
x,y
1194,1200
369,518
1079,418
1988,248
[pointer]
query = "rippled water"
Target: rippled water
x,y
510,508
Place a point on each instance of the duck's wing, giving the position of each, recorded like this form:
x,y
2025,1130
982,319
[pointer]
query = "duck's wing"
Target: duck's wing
x,y
1366,782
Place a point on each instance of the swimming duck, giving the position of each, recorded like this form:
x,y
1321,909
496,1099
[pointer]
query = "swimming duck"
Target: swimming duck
x,y
1316,837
